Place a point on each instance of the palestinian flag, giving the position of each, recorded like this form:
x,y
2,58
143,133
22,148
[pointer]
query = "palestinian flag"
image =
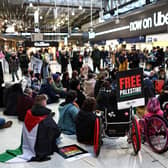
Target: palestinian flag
x,y
34,139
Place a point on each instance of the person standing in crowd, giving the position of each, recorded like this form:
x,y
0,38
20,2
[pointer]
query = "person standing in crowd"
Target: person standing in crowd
x,y
14,65
86,54
85,120
64,60
104,55
75,60
45,66
159,56
67,114
123,61
166,57
96,58
7,57
2,60
133,59
23,59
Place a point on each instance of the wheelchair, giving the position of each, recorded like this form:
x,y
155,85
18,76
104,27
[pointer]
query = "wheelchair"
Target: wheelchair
x,y
117,123
154,131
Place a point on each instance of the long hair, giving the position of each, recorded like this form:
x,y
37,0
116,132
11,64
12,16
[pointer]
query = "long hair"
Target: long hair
x,y
89,104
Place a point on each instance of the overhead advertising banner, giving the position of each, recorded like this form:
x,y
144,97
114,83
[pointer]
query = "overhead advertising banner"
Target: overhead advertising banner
x,y
130,88
151,19
157,19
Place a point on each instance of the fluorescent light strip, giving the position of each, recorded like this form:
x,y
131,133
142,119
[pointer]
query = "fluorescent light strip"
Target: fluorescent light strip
x,y
53,34
112,30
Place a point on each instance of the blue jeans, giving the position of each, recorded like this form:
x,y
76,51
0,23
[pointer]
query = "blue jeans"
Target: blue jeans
x,y
2,122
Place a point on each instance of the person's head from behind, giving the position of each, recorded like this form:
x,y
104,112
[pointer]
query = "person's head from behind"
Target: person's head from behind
x,y
75,74
49,80
90,75
106,84
89,104
41,100
153,105
28,92
75,85
71,96
56,77
65,76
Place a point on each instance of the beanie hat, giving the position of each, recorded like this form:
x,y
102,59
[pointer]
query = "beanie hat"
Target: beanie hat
x,y
55,76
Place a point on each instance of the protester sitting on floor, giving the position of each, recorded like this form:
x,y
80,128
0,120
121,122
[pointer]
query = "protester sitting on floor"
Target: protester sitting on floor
x,y
47,89
100,80
25,102
57,86
106,98
65,80
89,85
67,114
85,121
11,95
35,83
4,123
26,80
39,135
75,85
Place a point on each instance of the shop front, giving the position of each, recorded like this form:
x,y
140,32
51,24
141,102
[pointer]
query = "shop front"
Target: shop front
x,y
135,28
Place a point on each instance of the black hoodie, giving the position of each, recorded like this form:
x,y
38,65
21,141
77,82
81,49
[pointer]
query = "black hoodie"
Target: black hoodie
x,y
85,123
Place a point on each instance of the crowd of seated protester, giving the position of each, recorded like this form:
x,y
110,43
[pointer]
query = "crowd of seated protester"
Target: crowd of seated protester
x,y
83,93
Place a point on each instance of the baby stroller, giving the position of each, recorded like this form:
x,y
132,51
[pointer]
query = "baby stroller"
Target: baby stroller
x,y
154,131
117,123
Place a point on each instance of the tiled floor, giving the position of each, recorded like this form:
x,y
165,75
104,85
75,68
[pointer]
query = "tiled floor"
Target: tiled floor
x,y
114,153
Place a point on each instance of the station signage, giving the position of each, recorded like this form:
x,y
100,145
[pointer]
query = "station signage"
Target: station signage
x,y
41,44
156,20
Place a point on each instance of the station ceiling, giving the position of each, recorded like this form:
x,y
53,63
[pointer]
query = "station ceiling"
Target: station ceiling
x,y
53,14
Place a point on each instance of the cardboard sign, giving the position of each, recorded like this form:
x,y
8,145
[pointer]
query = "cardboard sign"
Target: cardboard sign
x,y
130,88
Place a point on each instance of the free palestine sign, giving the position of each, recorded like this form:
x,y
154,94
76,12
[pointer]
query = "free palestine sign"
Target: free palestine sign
x,y
130,88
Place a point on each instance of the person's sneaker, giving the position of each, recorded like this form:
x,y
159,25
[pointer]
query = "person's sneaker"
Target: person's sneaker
x,y
7,124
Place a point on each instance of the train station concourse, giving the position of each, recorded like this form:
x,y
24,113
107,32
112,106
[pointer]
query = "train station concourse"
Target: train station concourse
x,y
84,83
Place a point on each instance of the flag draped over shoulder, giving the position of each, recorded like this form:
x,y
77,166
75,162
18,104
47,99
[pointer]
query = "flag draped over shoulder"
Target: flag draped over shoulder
x,y
26,151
